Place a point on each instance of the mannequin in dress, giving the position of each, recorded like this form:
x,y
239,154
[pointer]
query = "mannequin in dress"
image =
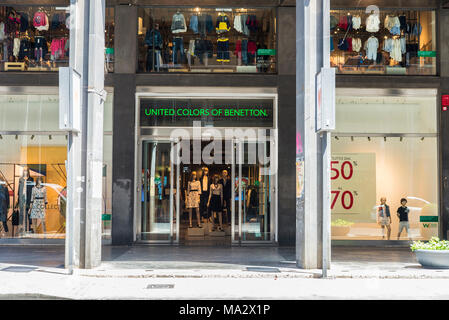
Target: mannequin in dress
x,y
215,201
193,198
38,203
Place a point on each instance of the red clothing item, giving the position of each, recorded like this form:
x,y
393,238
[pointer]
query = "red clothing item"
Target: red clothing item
x,y
252,47
238,47
349,44
343,23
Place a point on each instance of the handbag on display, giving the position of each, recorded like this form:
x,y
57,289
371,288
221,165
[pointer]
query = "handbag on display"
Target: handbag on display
x,y
15,218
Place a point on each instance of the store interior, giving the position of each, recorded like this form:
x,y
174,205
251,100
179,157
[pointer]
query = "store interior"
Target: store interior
x,y
213,227
207,40
390,41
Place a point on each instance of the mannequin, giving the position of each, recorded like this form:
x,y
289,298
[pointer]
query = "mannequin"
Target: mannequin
x,y
4,206
215,202
193,198
153,40
26,183
38,203
204,197
227,187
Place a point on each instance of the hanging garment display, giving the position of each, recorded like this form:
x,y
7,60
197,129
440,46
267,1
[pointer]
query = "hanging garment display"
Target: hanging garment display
x,y
393,24
24,22
57,48
40,21
333,23
372,23
343,44
356,22
403,22
178,24
252,23
371,46
343,22
238,26
356,44
193,24
205,24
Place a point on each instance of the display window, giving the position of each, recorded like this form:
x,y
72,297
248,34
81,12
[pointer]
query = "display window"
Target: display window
x,y
33,176
207,40
36,38
392,42
384,168
109,40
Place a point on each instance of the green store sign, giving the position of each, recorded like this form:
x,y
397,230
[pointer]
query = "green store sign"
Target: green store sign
x,y
427,54
266,52
202,112
428,219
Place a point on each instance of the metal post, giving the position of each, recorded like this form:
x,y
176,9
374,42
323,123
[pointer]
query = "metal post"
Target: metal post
x,y
312,148
85,150
326,151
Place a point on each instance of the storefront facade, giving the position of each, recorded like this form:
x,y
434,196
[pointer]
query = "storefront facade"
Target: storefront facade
x,y
164,58
391,70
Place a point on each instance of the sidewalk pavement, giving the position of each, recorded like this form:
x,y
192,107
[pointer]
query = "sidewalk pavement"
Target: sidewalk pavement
x,y
143,272
141,261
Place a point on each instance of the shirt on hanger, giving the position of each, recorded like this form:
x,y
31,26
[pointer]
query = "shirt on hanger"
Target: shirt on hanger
x,y
372,23
371,46
356,22
356,44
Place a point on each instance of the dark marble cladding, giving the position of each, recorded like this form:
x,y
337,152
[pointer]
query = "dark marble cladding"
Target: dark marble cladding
x,y
123,160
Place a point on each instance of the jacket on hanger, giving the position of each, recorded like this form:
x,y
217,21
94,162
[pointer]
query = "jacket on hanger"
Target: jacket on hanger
x,y
40,21
153,38
24,22
178,24
222,25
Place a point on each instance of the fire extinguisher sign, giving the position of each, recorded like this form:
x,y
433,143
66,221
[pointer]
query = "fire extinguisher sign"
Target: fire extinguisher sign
x,y
353,177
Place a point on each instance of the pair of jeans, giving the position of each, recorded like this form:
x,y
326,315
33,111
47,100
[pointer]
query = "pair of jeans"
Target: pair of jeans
x,y
5,226
153,59
178,46
204,210
245,52
223,50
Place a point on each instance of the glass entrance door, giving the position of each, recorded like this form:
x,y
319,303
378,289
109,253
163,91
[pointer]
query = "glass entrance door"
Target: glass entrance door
x,y
255,205
157,192
252,180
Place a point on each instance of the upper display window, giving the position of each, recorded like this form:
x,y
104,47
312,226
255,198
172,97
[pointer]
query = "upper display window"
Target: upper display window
x,y
207,40
392,42
36,38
